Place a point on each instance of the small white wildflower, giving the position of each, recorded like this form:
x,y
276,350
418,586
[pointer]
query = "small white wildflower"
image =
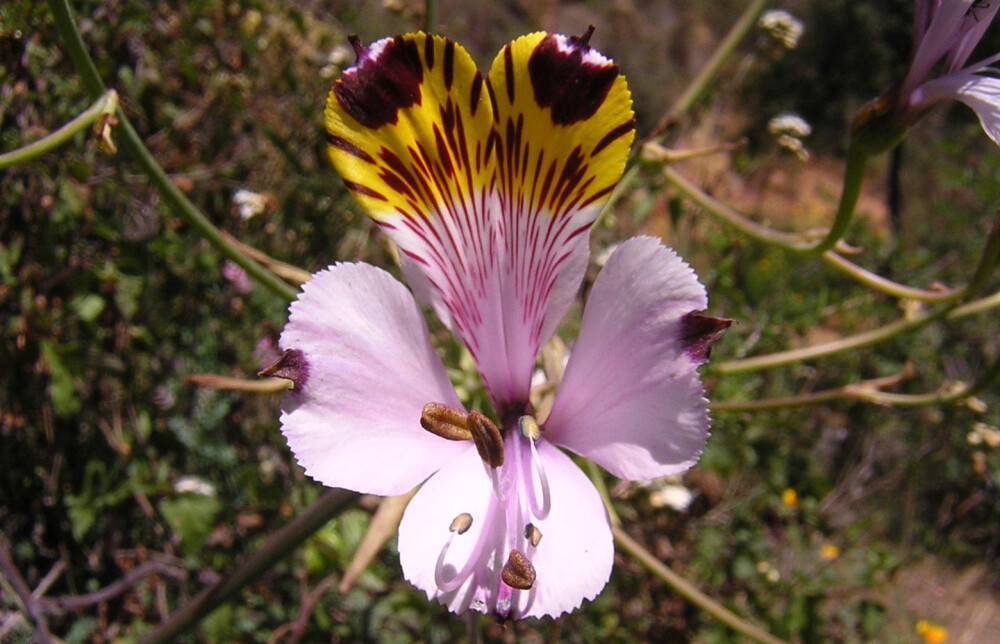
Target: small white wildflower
x,y
250,203
789,123
794,145
782,27
602,257
675,497
983,433
338,58
194,485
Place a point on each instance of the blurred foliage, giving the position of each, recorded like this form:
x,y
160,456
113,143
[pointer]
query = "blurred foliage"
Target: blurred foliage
x,y
110,459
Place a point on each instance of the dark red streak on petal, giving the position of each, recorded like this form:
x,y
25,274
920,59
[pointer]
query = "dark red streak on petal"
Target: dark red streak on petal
x,y
561,80
429,52
348,147
614,134
449,63
474,94
364,190
508,66
378,87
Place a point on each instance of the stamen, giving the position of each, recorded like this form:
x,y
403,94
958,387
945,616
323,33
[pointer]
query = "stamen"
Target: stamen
x,y
446,422
532,534
487,437
461,523
518,572
528,427
543,508
585,38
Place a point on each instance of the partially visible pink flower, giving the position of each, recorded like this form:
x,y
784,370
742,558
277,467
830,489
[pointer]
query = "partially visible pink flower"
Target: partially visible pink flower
x,y
489,186
237,277
945,33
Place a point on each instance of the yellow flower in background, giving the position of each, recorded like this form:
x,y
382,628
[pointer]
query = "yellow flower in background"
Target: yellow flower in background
x,y
790,498
829,552
932,633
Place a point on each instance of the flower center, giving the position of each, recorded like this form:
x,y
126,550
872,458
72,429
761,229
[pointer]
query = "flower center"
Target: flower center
x,y
498,560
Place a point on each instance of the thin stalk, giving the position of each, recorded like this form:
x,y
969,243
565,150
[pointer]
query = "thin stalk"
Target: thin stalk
x,y
688,591
855,391
984,269
797,243
105,104
697,87
246,385
841,345
278,546
66,26
430,15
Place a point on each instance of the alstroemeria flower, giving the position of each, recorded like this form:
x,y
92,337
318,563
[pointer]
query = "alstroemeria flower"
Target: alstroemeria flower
x,y
950,30
489,186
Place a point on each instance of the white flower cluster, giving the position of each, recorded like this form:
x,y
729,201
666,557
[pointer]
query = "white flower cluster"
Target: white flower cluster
x,y
194,485
338,59
782,27
249,203
789,130
984,434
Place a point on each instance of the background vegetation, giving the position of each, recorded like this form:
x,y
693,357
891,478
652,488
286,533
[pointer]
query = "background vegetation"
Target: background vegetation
x,y
843,522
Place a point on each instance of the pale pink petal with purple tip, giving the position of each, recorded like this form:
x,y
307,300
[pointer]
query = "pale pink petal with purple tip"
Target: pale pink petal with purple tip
x,y
355,421
631,399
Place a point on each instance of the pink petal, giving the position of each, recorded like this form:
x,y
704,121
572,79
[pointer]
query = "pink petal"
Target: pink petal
x,y
355,421
575,556
981,93
631,399
943,33
572,561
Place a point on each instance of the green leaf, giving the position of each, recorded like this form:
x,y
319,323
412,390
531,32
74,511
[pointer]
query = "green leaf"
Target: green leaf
x,y
87,307
191,516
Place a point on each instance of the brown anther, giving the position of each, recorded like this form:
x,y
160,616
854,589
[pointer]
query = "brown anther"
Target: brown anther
x,y
518,572
446,422
528,427
532,534
487,437
461,523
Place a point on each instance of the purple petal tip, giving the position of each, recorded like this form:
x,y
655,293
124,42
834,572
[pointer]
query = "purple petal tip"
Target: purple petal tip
x,y
291,365
699,333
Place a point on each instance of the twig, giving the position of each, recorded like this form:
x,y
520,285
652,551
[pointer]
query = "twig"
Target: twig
x,y
278,546
30,603
105,105
298,627
689,591
66,26
115,588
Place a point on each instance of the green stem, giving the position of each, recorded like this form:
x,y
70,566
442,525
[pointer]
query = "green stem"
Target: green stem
x,y
853,178
66,26
430,15
707,75
856,391
278,546
688,591
984,269
107,103
868,338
